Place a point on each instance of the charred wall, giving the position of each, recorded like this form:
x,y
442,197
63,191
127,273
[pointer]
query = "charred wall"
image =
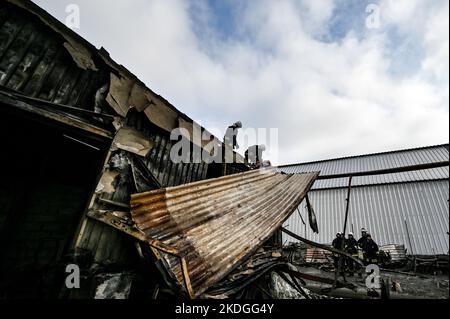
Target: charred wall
x,y
35,62
54,79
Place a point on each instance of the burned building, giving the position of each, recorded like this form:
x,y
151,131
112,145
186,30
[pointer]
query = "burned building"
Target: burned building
x,y
89,181
81,135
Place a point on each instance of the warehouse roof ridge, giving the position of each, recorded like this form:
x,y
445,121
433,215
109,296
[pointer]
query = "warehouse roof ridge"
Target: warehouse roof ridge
x,y
444,145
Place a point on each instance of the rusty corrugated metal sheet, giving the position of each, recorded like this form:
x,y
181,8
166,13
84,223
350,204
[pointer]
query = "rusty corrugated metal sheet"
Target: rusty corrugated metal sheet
x,y
208,227
318,255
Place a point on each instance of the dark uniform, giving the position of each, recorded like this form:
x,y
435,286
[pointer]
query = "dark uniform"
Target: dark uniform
x,y
362,240
351,247
253,155
370,250
337,244
230,137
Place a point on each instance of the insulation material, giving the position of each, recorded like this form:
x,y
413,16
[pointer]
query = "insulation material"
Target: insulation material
x,y
106,183
80,56
114,286
162,115
130,140
119,92
283,290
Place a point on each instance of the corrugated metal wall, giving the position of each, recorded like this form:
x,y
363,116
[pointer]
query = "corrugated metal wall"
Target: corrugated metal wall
x,y
379,161
373,162
420,175
382,209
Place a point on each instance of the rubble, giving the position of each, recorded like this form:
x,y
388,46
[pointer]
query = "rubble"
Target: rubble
x,y
113,286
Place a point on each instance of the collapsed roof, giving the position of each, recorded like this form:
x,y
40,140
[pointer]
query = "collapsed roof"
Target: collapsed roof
x,y
207,228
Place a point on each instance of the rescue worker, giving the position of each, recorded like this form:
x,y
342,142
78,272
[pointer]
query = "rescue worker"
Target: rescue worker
x,y
370,250
351,247
253,155
230,138
337,244
362,240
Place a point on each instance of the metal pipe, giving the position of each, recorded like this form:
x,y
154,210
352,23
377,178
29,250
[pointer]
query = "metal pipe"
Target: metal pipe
x,y
347,206
409,238
338,270
410,246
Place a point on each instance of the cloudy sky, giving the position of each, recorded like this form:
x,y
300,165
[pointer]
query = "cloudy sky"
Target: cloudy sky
x,y
336,77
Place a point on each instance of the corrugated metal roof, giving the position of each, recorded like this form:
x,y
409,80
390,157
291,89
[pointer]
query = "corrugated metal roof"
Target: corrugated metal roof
x,y
382,209
208,227
371,162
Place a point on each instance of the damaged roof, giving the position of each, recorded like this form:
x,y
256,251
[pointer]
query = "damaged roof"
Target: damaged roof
x,y
207,228
34,68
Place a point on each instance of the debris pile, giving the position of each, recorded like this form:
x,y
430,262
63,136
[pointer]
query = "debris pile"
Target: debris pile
x,y
318,256
397,253
428,264
204,230
296,253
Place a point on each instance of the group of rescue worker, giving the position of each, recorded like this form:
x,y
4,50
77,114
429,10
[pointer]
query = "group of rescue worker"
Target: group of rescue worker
x,y
365,248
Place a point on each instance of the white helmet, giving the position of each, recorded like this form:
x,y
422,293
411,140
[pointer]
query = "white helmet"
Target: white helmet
x,y
350,234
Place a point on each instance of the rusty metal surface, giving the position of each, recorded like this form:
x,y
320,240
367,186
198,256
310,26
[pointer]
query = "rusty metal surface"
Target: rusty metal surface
x,y
208,227
318,255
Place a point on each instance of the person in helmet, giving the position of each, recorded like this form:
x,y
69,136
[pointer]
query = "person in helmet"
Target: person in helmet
x,y
370,250
363,238
351,247
253,155
230,137
338,243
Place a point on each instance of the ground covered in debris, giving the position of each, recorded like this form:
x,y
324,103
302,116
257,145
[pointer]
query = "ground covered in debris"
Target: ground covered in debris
x,y
402,286
420,286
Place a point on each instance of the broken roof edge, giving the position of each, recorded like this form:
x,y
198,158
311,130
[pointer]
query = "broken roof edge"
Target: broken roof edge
x,y
84,54
199,183
25,105
160,196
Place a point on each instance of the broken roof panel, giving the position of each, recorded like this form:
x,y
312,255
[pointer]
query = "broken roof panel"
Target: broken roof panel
x,y
208,227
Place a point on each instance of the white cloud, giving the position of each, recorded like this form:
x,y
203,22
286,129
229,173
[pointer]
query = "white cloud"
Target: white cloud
x,y
326,99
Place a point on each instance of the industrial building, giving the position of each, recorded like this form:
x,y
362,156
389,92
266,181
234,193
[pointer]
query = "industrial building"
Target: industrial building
x,y
406,205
